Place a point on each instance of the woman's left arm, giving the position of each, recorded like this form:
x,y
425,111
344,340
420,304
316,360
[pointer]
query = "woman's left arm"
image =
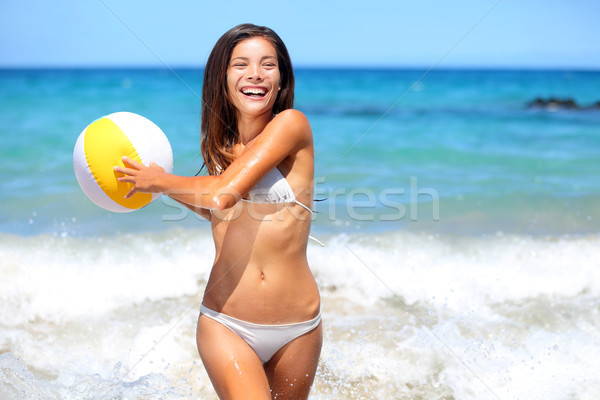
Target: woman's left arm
x,y
286,134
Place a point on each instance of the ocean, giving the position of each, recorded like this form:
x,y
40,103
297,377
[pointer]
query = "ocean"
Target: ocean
x,y
461,230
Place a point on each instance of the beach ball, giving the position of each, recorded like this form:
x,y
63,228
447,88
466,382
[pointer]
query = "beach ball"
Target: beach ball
x,y
101,146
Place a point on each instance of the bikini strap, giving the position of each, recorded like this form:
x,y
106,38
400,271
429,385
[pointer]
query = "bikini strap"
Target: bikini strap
x,y
316,240
303,205
311,212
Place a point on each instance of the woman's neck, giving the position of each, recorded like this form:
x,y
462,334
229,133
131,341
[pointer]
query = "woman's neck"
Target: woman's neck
x,y
250,127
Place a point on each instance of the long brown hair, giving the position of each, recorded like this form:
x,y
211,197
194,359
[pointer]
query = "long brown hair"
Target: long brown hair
x,y
219,125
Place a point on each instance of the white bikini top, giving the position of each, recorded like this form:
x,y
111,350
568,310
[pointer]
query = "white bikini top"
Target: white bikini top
x,y
273,188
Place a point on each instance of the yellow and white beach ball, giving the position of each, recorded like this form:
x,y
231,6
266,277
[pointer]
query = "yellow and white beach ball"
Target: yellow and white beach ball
x,y
101,146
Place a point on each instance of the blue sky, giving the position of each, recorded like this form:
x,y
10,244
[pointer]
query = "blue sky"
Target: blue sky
x,y
402,33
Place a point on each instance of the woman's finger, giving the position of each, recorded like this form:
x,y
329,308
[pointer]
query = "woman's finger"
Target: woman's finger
x,y
132,163
131,192
126,179
124,170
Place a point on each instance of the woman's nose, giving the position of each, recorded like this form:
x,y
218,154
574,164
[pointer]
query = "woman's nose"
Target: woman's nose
x,y
254,74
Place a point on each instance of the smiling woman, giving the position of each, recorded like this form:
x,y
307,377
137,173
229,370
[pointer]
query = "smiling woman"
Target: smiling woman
x,y
253,80
259,332
219,122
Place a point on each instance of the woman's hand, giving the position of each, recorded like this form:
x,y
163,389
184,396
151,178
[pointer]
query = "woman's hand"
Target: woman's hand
x,y
144,179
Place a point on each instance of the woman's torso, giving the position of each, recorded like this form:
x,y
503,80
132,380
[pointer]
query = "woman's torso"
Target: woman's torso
x,y
261,272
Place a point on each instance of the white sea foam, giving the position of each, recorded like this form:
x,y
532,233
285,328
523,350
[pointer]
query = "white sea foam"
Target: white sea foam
x,y
406,316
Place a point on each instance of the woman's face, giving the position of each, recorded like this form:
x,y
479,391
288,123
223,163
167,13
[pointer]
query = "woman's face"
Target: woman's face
x,y
253,79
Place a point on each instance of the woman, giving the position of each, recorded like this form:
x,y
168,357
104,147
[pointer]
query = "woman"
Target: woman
x,y
259,332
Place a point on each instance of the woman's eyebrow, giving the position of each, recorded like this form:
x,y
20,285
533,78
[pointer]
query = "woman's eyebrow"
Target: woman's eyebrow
x,y
242,58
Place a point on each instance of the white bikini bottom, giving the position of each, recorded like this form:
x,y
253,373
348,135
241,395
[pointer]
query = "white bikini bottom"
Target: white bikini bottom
x,y
265,340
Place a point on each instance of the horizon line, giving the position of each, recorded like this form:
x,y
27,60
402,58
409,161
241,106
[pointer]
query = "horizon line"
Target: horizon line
x,y
307,66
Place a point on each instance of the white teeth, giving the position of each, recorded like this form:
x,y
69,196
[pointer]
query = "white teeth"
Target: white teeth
x,y
253,91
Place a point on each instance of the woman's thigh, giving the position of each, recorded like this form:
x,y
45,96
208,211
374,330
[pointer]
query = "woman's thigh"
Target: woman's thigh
x,y
292,369
232,366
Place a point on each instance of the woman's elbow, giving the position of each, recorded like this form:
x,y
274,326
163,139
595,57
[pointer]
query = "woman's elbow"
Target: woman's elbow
x,y
223,201
220,193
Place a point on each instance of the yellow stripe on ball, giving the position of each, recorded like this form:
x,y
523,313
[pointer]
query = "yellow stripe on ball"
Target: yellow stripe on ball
x,y
105,144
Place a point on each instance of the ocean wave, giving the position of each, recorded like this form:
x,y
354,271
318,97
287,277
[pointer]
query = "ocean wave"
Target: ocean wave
x,y
405,315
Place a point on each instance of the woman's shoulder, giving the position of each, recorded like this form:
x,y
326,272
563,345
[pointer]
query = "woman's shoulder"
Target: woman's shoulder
x,y
293,121
292,113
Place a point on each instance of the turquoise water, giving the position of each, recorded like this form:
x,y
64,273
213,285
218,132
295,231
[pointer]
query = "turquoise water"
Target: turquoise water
x,y
458,144
461,230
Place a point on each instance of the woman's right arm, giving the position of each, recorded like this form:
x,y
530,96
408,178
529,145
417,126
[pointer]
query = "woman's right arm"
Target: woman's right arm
x,y
203,212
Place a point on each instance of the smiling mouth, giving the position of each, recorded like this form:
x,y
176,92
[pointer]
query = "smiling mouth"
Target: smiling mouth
x,y
256,92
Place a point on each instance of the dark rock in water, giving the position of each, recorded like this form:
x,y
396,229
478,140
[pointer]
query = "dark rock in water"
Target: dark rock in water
x,y
553,104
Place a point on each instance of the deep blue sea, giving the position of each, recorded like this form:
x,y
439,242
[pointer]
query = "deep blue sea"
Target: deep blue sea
x,y
462,231
462,144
